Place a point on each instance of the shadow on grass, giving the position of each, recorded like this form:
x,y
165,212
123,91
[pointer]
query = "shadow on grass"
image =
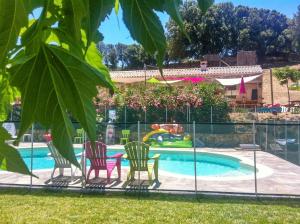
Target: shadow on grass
x,y
142,193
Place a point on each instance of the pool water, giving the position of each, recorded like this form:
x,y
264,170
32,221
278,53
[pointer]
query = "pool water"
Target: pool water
x,y
208,164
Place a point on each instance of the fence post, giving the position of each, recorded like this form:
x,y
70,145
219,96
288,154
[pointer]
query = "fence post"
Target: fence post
x,y
139,156
166,114
105,118
31,154
145,118
195,156
125,117
211,119
187,114
83,163
299,142
285,135
211,115
266,135
254,152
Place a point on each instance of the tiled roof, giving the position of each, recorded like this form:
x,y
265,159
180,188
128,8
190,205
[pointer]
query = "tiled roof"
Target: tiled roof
x,y
210,73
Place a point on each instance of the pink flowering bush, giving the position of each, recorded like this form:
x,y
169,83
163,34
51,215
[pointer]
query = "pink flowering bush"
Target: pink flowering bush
x,y
157,98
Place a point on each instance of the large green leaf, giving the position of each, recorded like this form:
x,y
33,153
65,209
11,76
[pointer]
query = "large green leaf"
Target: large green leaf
x,y
10,159
205,4
94,58
58,83
30,5
74,12
98,11
7,96
12,18
172,8
145,27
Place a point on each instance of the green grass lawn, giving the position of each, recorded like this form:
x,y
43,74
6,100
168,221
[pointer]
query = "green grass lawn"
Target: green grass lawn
x,y
20,206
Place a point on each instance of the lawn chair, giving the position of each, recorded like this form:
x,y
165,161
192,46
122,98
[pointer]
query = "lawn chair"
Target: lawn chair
x,y
138,156
11,129
125,137
100,161
79,136
59,162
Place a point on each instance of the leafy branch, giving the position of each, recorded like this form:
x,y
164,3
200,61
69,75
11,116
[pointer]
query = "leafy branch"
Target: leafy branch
x,y
54,63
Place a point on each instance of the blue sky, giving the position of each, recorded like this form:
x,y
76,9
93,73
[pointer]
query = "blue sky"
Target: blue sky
x,y
115,32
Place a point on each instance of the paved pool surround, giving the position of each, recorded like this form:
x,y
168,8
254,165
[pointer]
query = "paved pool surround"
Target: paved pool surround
x,y
274,176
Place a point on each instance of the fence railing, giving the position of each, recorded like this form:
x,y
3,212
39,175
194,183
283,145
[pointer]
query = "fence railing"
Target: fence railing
x,y
245,158
186,114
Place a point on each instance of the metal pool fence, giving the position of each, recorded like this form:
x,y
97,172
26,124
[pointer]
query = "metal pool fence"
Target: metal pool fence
x,y
185,114
259,158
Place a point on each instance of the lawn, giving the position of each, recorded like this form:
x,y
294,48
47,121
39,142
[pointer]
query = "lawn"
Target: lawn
x,y
20,206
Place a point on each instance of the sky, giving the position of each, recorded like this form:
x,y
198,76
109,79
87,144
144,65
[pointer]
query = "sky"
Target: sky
x,y
115,31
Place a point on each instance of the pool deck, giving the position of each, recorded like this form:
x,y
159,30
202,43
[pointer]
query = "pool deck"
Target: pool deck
x,y
274,176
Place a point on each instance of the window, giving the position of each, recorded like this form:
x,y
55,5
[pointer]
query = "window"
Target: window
x,y
254,95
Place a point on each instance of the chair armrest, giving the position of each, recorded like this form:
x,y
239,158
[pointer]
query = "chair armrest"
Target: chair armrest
x,y
116,156
155,157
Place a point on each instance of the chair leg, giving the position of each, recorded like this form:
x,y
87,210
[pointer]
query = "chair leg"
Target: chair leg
x,y
108,177
72,175
96,173
88,175
156,170
130,175
61,171
119,171
52,174
150,176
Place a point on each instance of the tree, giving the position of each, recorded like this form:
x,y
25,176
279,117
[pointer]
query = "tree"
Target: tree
x,y
297,30
54,63
225,29
120,49
286,74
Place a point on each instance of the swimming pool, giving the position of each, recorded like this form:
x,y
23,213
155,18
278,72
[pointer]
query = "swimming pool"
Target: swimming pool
x,y
182,163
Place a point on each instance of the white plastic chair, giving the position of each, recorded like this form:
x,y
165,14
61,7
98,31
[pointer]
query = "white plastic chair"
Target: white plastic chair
x,y
60,162
11,129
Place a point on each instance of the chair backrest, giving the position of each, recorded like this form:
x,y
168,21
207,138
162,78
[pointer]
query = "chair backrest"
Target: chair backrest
x,y
125,133
60,161
10,128
79,132
138,155
97,156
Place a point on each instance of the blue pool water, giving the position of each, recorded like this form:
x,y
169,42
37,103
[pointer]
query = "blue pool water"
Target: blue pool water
x,y
208,164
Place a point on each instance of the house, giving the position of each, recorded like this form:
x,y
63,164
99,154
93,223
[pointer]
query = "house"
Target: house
x,y
229,77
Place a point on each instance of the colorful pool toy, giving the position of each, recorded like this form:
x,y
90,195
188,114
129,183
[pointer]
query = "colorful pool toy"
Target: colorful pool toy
x,y
168,136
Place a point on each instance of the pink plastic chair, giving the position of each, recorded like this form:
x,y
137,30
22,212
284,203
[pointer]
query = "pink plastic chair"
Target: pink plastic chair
x,y
100,161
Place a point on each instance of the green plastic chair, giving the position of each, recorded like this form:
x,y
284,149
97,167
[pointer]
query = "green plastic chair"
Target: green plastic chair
x,y
79,136
125,137
138,155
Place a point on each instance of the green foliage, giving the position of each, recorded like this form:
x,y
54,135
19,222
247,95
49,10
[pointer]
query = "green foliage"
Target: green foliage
x,y
53,61
297,31
131,56
154,99
285,74
7,96
225,29
10,158
13,18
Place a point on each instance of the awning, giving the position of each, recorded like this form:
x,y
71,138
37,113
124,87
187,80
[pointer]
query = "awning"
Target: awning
x,y
237,81
156,81
193,79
